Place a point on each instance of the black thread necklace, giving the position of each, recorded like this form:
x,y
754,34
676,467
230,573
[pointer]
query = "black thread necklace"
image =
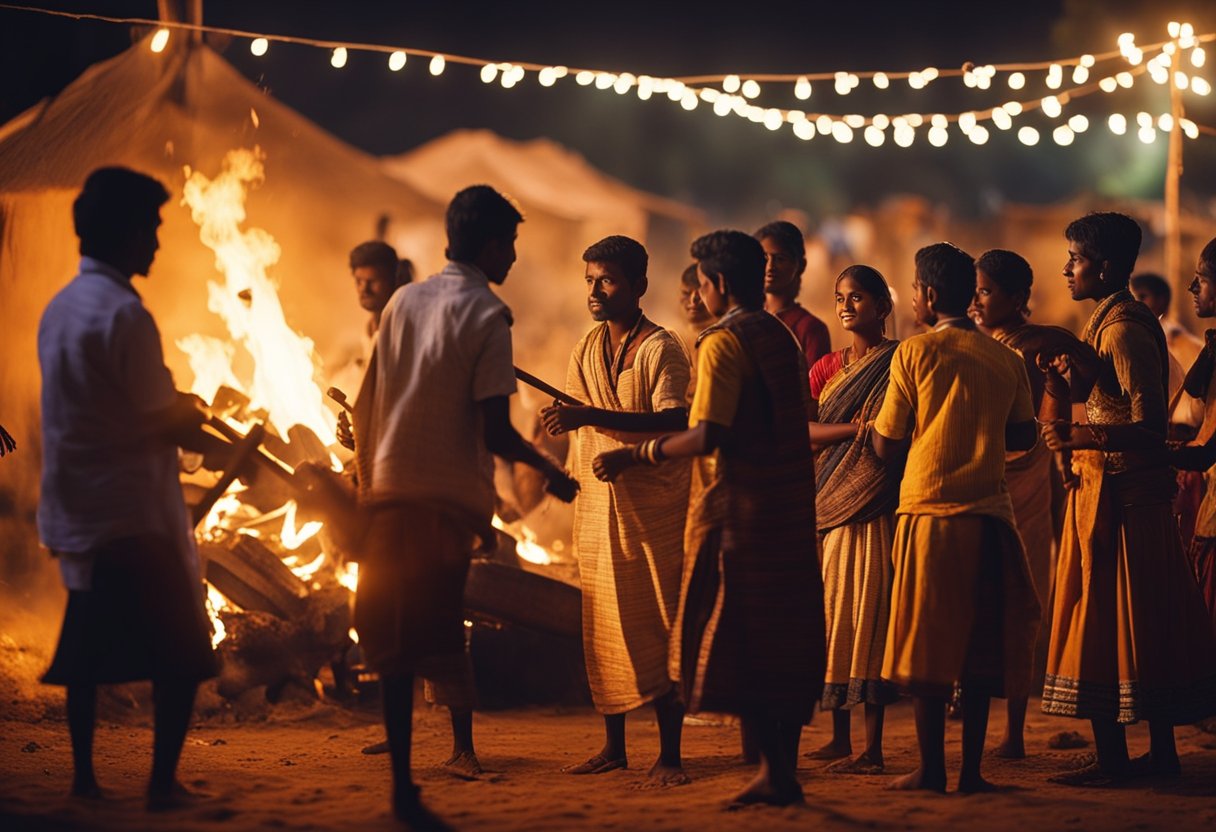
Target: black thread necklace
x,y
616,364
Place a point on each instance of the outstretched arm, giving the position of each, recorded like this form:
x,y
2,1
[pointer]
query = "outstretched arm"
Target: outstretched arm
x,y
700,440
503,440
560,418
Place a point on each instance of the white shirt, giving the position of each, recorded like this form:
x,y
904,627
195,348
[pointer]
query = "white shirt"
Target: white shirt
x,y
444,347
105,474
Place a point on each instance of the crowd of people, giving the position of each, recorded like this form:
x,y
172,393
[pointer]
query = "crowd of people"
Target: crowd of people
x,y
763,527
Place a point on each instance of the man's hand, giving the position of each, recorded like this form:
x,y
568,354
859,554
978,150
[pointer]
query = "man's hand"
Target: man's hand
x,y
7,443
346,432
611,464
561,418
1054,368
1065,436
561,485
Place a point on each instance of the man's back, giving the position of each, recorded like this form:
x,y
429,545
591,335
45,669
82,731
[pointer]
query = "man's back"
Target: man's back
x,y
444,346
105,473
961,389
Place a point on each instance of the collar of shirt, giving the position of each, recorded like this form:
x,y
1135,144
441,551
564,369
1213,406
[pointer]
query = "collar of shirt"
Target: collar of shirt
x,y
91,265
946,323
466,270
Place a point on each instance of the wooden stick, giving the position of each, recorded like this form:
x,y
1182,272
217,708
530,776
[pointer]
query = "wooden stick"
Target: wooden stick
x,y
544,387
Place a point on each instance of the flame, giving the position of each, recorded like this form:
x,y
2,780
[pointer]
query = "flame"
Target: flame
x,y
290,537
526,546
216,603
348,576
283,361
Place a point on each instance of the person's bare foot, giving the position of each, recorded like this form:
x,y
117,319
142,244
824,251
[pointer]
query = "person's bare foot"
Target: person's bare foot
x,y
975,785
662,776
464,765
376,748
1010,749
862,764
599,764
177,797
764,790
830,751
919,781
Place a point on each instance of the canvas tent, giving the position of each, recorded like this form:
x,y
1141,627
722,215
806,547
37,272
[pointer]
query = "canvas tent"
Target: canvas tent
x,y
567,204
157,113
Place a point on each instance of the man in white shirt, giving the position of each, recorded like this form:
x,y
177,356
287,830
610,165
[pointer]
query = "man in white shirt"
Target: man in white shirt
x,y
432,413
111,504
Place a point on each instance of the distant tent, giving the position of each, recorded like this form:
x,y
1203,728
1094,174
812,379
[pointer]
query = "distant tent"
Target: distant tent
x,y
568,204
157,113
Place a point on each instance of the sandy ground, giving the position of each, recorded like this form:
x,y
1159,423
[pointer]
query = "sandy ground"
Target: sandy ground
x,y
298,766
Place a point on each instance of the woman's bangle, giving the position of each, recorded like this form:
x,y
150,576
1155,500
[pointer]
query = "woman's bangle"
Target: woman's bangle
x,y
649,452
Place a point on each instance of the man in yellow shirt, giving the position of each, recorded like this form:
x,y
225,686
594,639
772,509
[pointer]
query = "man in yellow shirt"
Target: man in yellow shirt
x,y
956,402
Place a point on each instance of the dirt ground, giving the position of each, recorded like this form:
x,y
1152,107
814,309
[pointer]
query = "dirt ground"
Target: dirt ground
x,y
298,766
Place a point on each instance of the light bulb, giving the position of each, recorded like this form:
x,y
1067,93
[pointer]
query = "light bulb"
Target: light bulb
x,y
1200,86
338,59
1051,106
1181,80
1001,119
1125,80
881,80
855,121
1014,108
584,77
1117,124
842,132
824,125
773,119
1147,135
1028,136
1174,28
547,77
688,100
1144,119
1108,85
967,122
1017,80
396,61
904,135
1063,135
751,89
1165,122
488,73
160,40
437,65
978,134
804,130
1078,123
1088,61
1198,56
881,121
258,46
802,89
1190,128
731,83
938,136
1080,75
874,137
916,81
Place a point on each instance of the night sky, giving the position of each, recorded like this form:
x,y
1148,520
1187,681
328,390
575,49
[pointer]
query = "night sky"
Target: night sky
x,y
726,165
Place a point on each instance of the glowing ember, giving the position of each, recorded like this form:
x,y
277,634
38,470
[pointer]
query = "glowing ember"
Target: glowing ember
x,y
348,576
290,537
216,603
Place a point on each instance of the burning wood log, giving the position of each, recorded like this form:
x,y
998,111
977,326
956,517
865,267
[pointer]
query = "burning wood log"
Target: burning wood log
x,y
253,577
510,595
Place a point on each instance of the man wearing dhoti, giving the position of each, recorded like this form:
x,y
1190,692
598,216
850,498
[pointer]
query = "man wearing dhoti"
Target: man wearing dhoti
x,y
963,606
433,409
1130,638
628,535
748,636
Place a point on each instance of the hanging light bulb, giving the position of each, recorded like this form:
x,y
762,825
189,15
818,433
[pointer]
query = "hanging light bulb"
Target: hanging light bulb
x,y
1125,80
1001,119
881,80
1088,61
1028,136
488,73
751,88
804,130
547,77
824,124
967,122
978,134
1190,128
1181,80
1117,124
159,40
1080,75
916,81
881,121
396,61
1198,56
338,59
1144,119
1078,123
1051,106
855,120
874,137
1165,123
258,46
905,134
731,83
1017,80
773,119
688,100
802,89
1147,135
584,77
1063,135
1014,108
842,132
1055,76
1174,28
437,65
1200,86
1108,85
938,136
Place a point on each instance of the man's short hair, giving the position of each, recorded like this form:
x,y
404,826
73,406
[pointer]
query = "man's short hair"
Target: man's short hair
x,y
405,271
739,259
1208,255
787,236
115,203
1154,284
690,278
625,252
475,217
1110,236
1008,268
376,254
950,272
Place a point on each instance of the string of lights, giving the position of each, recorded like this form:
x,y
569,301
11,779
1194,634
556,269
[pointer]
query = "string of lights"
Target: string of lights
x,y
737,93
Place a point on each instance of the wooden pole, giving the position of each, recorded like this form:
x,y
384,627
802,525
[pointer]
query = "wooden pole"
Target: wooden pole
x,y
1173,218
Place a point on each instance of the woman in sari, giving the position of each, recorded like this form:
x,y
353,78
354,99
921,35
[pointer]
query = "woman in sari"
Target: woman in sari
x,y
855,504
1003,281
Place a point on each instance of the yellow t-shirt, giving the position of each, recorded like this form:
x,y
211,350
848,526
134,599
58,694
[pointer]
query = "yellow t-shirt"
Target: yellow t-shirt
x,y
955,390
723,369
